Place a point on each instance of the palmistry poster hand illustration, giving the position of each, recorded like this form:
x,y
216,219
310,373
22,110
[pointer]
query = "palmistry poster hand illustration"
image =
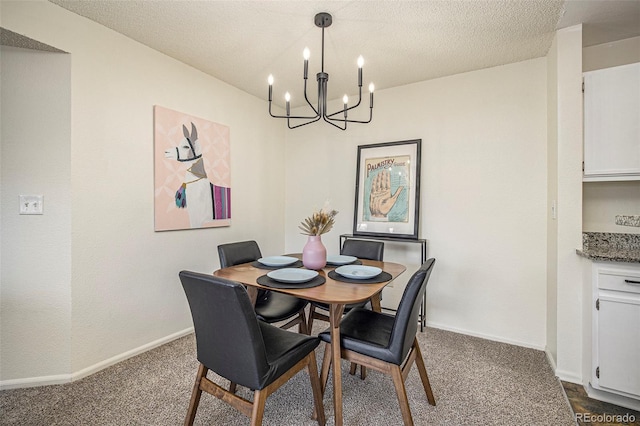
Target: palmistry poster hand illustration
x,y
385,195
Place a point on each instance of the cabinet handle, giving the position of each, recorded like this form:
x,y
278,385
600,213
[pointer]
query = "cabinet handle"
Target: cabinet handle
x,y
631,282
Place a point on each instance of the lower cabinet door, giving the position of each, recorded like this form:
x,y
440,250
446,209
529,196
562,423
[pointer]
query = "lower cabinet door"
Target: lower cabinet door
x,y
619,344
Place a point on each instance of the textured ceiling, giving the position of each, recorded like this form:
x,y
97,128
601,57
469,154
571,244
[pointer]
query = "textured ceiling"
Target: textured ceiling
x,y
9,38
402,42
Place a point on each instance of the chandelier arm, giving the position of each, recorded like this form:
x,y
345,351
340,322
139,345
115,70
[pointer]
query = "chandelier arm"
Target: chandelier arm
x,y
301,124
351,107
343,110
286,116
315,117
302,117
331,121
273,115
307,99
353,121
297,117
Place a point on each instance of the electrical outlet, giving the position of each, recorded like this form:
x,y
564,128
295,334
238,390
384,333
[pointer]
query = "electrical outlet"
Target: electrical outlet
x,y
31,204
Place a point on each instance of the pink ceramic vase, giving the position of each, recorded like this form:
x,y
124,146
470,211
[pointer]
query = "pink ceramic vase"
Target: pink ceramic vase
x,y
314,253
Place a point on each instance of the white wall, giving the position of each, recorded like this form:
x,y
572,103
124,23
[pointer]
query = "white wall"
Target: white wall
x,y
604,200
125,293
483,197
552,200
613,54
35,290
570,291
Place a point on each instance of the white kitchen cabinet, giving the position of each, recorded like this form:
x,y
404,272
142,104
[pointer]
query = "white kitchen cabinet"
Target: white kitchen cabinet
x,y
616,329
612,123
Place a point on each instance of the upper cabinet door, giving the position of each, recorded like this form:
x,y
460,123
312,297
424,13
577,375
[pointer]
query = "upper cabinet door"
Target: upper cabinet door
x,y
612,123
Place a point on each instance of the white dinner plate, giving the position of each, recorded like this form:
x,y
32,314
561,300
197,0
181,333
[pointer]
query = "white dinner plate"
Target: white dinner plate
x,y
340,259
278,260
292,275
358,272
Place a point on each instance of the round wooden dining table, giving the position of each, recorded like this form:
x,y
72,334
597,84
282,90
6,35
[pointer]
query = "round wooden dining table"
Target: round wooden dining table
x,y
334,292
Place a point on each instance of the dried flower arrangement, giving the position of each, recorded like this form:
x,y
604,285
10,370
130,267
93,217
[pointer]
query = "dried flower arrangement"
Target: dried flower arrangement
x,y
319,222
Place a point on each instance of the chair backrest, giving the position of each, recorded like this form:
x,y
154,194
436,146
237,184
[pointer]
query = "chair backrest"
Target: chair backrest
x,y
228,337
236,253
372,250
232,254
406,322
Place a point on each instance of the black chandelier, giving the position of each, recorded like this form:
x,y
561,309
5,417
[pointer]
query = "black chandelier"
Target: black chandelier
x,y
339,118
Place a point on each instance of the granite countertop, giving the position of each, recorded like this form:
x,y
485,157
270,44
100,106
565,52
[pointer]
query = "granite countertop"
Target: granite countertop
x,y
609,246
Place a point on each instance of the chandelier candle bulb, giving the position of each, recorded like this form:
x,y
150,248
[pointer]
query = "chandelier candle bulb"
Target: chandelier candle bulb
x,y
270,81
345,101
287,97
306,54
360,64
371,87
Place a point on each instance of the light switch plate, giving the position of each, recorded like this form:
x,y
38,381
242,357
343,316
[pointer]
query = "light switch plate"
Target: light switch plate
x,y
31,204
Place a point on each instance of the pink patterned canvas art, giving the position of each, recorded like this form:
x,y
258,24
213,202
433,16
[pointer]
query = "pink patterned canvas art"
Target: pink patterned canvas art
x,y
192,172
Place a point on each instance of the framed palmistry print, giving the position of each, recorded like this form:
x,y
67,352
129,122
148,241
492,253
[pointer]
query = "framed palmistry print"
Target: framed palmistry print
x,y
387,200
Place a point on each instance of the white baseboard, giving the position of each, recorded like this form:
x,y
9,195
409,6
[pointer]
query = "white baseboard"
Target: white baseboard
x,y
485,336
600,395
66,378
30,382
567,376
552,362
613,398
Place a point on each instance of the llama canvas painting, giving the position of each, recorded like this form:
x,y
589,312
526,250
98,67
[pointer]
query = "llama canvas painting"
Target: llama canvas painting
x,y
192,172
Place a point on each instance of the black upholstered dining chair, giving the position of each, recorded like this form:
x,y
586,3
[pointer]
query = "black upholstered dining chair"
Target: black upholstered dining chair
x,y
362,249
385,342
233,344
270,306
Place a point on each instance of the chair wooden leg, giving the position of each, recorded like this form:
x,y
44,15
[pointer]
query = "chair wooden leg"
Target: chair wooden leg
x,y
363,370
317,390
233,387
312,310
195,396
401,391
422,369
302,327
259,402
326,366
300,321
